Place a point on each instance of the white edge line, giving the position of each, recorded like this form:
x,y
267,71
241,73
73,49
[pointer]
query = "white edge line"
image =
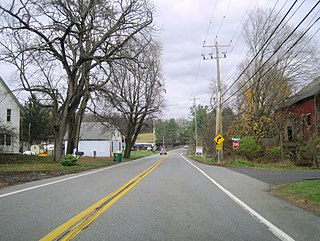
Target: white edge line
x,y
69,178
275,230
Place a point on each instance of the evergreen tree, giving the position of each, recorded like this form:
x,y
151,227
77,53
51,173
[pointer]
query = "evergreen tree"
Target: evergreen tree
x,y
36,123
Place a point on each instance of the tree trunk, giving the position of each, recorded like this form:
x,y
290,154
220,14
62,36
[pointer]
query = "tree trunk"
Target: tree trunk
x,y
58,143
75,125
127,151
71,135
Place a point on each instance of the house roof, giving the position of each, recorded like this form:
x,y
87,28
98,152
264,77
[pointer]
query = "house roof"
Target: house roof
x,y
94,131
145,138
9,92
309,90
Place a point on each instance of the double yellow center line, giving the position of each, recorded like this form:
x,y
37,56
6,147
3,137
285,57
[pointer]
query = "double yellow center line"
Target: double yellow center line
x,y
73,226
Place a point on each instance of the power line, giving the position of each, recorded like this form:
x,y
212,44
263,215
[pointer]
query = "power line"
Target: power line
x,y
211,19
273,65
262,47
247,55
204,41
223,18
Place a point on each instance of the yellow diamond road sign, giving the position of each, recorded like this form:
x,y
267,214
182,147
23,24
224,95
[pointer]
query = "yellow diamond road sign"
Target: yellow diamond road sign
x,y
219,139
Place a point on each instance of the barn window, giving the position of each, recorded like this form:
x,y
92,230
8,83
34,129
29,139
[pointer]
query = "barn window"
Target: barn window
x,y
289,130
308,119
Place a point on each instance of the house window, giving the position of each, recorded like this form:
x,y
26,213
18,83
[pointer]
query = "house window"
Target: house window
x,y
8,115
8,140
1,139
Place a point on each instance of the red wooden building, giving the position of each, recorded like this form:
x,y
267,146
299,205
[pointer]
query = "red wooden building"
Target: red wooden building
x,y
303,111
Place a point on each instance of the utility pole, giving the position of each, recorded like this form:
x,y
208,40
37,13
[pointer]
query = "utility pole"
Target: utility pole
x,y
219,102
195,120
154,131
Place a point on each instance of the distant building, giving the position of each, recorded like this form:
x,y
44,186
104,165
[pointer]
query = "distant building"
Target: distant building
x,y
97,139
145,141
9,120
303,111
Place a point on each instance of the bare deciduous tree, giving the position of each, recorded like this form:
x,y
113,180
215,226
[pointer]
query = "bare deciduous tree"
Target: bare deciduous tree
x,y
64,49
135,93
280,66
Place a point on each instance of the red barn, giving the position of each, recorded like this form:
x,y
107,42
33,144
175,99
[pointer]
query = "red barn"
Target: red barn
x,y
303,110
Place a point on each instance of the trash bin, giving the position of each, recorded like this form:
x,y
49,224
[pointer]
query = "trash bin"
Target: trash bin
x,y
117,156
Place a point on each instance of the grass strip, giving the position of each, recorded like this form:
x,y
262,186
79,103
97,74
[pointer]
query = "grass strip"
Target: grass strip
x,y
305,194
308,190
242,163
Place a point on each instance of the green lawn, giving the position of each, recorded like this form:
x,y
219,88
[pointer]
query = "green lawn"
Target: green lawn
x,y
22,163
308,190
142,153
46,164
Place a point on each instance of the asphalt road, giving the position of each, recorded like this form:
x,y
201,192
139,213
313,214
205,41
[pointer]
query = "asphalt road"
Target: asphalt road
x,y
171,199
275,177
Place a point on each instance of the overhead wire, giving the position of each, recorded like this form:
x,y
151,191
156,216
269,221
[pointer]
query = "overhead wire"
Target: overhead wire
x,y
223,18
205,38
247,10
273,65
231,41
240,24
259,51
295,43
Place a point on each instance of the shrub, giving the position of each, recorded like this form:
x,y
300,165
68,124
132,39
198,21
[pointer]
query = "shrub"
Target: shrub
x,y
248,147
307,155
69,160
274,152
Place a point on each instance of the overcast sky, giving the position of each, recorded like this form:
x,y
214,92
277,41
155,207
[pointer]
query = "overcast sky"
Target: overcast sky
x,y
186,24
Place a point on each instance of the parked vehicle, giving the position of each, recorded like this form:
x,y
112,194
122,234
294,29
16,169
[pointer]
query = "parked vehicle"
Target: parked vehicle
x,y
32,153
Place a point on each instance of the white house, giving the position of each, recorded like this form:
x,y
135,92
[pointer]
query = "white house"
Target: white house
x,y
94,139
9,120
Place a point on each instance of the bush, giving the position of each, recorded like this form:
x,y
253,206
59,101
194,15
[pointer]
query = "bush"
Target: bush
x,y
307,155
274,152
248,147
69,160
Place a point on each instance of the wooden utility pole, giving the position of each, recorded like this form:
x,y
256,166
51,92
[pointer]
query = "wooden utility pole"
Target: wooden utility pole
x,y
195,120
219,102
